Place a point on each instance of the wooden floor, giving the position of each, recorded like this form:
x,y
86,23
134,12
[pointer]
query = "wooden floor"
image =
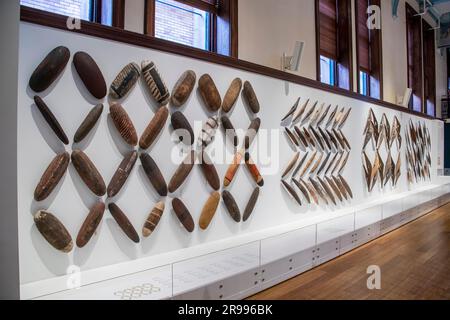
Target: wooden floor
x,y
414,262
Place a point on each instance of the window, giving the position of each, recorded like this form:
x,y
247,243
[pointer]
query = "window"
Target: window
x,y
414,45
369,51
334,42
429,68
81,9
107,12
204,24
182,23
363,83
327,70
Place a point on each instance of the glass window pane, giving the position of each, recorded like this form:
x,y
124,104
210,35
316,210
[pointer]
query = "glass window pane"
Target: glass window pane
x,y
327,70
363,83
181,23
74,8
107,12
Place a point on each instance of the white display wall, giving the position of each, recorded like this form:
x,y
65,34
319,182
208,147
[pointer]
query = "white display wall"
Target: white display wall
x,y
110,253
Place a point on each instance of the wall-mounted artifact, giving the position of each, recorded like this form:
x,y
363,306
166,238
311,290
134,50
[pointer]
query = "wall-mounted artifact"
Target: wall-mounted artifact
x,y
209,210
49,69
301,137
250,97
332,116
88,173
209,171
122,173
90,224
316,115
311,191
292,110
327,189
343,119
333,139
53,231
309,114
309,138
396,133
332,163
209,93
183,215
300,164
125,81
299,113
90,74
334,187
183,88
317,137
230,132
418,152
341,187
343,163
383,135
51,120
232,95
123,222
251,204
88,123
153,219
316,164
208,132
155,83
389,169
254,171
397,170
337,187
231,205
252,132
324,164
342,145
308,164
303,189
123,124
233,168
291,191
154,128
52,176
319,190
290,165
182,172
181,125
153,174
323,116
292,137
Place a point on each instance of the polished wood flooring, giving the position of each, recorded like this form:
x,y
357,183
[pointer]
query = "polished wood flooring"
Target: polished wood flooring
x,y
414,262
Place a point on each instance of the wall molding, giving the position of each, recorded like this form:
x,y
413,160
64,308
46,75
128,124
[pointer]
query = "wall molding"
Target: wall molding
x,y
97,30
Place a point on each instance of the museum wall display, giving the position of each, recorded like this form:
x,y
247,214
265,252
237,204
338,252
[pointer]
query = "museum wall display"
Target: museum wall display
x,y
223,169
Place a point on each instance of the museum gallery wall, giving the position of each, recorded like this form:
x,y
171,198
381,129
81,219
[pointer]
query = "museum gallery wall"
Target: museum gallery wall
x,y
103,178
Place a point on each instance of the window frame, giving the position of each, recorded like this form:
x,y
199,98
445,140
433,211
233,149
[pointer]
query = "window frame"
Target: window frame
x,y
410,12
429,72
375,47
344,45
223,23
118,13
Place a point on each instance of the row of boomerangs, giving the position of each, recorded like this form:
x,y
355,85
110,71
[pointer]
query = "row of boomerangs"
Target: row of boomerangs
x,y
318,173
381,134
418,152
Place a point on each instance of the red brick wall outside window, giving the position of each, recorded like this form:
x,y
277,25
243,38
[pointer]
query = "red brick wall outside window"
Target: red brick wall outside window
x,y
73,8
181,23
